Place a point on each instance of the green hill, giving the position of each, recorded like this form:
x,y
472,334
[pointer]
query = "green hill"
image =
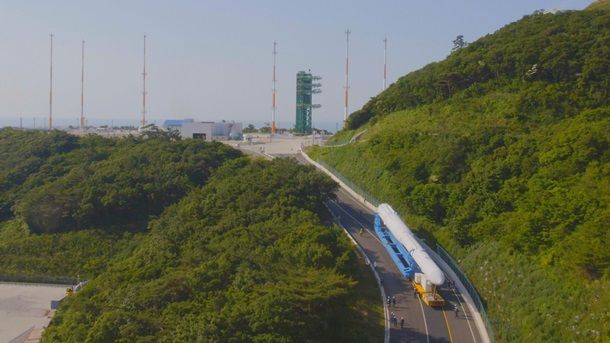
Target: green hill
x,y
243,259
501,154
181,241
68,204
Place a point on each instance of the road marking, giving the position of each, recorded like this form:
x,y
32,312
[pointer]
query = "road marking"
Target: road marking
x,y
386,310
359,222
425,322
375,236
448,328
464,312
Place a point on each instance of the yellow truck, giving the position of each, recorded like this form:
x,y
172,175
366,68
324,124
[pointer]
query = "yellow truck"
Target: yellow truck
x,y
427,291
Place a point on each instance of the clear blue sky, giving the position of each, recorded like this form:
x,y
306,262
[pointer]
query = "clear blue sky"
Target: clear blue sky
x,y
212,60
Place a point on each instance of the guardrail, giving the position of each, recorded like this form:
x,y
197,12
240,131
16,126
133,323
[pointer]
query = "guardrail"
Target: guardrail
x,y
39,279
440,252
469,287
371,199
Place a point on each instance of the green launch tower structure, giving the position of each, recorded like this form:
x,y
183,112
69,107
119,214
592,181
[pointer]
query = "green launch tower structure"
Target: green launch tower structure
x,y
305,89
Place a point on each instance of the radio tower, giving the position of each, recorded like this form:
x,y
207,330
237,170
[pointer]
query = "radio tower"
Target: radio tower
x,y
144,86
82,88
51,87
347,33
385,63
273,106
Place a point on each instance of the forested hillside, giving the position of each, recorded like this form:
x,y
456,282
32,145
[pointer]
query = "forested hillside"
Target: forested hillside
x,y
98,192
181,241
501,154
245,258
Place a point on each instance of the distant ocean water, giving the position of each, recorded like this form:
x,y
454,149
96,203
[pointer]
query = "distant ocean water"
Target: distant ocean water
x,y
59,122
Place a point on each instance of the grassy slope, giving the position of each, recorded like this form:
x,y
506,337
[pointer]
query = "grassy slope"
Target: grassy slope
x,y
508,175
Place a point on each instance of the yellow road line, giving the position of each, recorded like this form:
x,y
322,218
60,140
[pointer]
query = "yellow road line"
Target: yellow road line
x,y
448,328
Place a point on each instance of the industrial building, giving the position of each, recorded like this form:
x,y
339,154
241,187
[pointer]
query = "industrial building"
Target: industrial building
x,y
206,130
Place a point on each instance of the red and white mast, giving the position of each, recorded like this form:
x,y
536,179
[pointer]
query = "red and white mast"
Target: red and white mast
x,y
345,114
144,86
273,105
51,87
82,87
385,63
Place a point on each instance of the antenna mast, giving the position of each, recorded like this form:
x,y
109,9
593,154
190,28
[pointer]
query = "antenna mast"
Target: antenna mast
x,y
51,87
273,106
82,87
347,33
385,63
144,86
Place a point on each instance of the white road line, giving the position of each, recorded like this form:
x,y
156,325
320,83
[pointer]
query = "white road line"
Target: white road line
x,y
420,302
386,311
465,316
425,322
359,222
356,201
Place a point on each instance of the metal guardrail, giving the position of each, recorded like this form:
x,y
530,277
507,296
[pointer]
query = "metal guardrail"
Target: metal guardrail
x,y
53,280
371,199
469,287
440,251
335,144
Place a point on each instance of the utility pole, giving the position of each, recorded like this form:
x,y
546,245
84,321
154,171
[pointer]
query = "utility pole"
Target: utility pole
x,y
345,114
385,63
82,87
273,105
51,87
144,86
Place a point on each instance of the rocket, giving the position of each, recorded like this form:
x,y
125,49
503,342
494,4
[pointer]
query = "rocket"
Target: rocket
x,y
405,236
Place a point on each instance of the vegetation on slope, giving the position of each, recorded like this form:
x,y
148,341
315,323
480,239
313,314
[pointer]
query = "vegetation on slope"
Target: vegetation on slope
x,y
98,191
245,258
501,153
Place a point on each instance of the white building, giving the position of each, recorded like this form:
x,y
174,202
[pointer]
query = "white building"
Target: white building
x,y
206,130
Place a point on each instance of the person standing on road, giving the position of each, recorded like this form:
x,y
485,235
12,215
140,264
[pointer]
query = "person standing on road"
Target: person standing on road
x,y
402,322
456,309
393,301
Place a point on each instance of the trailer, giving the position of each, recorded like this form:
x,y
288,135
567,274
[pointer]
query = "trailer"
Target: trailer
x,y
409,256
400,256
427,291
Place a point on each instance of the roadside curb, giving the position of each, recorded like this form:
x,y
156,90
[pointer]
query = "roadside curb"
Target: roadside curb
x,y
386,315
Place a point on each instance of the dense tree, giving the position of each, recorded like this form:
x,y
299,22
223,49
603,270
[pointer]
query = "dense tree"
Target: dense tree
x,y
242,259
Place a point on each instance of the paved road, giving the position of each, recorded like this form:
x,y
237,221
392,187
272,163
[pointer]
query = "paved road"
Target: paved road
x,y
422,323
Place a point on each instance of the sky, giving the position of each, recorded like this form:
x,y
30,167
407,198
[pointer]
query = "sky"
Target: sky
x,y
212,60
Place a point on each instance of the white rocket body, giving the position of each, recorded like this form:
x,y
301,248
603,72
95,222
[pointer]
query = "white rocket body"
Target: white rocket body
x,y
405,236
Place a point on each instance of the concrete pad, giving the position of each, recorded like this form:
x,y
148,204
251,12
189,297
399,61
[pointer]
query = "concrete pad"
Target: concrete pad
x,y
25,305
